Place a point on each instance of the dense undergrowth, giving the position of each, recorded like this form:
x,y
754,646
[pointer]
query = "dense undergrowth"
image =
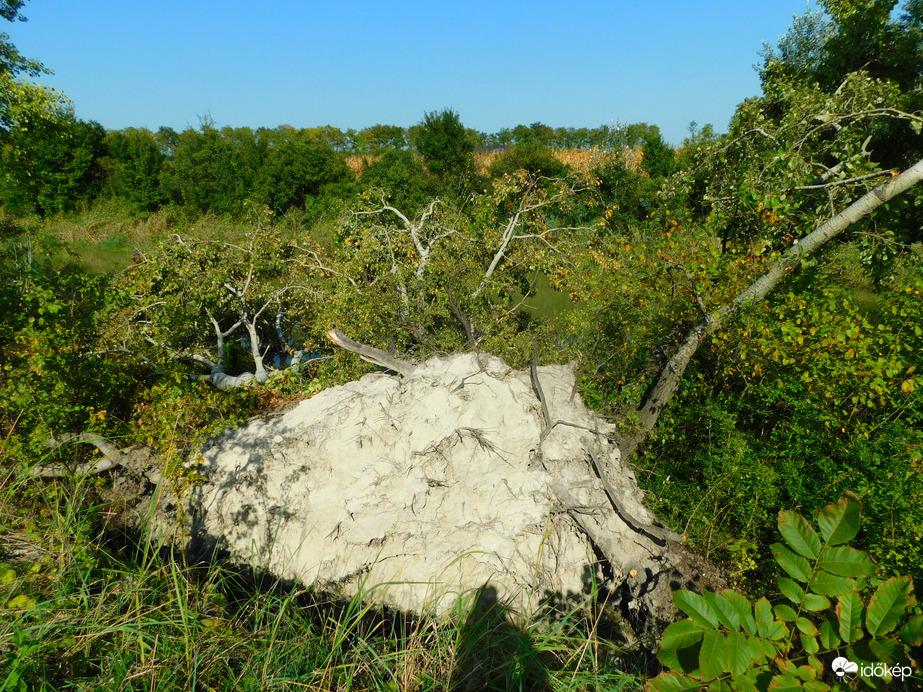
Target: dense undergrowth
x,y
85,612
117,278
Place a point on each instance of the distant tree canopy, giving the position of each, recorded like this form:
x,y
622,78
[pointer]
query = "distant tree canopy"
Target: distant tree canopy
x,y
61,171
296,168
447,149
133,168
49,159
218,170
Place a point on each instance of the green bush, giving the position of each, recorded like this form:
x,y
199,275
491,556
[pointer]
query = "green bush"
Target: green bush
x,y
448,150
403,178
133,168
296,169
729,643
530,156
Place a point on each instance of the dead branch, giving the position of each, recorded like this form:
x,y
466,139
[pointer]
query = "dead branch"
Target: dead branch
x,y
141,457
370,353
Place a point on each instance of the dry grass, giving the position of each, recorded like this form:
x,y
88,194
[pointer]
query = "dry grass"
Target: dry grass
x,y
579,159
359,162
103,223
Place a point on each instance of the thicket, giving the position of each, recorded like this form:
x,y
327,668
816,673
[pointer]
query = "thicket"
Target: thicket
x,y
798,399
73,165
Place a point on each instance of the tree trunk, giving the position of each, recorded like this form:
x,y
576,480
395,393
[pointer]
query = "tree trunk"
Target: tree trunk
x,y
669,378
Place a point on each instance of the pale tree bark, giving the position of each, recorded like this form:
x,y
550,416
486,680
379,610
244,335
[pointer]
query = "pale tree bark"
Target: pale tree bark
x,y
527,205
423,246
670,376
217,376
370,354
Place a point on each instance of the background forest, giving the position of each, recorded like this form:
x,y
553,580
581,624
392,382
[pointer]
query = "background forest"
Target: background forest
x,y
140,268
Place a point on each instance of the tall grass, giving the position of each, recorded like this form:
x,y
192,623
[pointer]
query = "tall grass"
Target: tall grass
x,y
86,609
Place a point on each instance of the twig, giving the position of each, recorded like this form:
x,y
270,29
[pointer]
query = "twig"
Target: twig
x,y
537,388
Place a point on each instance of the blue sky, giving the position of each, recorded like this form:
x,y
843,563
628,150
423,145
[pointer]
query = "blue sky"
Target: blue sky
x,y
149,63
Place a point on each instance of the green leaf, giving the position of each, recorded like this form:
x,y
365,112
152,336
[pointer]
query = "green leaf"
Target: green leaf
x,y
685,660
776,630
806,673
815,663
763,614
672,682
888,605
827,584
791,590
785,683
743,608
795,565
806,626
785,613
912,631
829,638
816,686
846,562
809,643
681,634
727,614
886,650
814,602
849,614
739,653
839,522
799,534
768,648
747,682
696,607
713,656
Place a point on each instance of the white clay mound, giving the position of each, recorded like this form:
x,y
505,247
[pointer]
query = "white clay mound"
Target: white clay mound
x,y
421,488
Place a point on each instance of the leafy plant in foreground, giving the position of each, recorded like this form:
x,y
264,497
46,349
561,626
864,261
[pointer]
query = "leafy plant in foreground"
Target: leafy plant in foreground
x,y
729,643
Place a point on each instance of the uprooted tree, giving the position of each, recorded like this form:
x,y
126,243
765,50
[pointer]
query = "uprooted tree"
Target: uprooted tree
x,y
741,214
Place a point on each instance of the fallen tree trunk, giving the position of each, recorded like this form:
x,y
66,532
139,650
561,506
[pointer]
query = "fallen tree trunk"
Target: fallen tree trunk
x,y
664,387
370,354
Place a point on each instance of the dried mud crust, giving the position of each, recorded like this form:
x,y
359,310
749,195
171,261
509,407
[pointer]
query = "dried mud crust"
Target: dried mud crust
x,y
418,490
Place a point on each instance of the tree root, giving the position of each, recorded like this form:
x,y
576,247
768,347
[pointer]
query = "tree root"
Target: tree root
x,y
140,460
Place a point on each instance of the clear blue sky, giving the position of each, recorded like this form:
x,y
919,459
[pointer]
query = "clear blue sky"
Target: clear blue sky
x,y
148,63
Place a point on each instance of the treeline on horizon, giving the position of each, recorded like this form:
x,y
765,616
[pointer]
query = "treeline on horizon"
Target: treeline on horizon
x,y
74,164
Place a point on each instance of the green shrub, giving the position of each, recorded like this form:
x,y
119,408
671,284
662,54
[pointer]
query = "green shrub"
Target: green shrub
x,y
531,156
404,179
728,643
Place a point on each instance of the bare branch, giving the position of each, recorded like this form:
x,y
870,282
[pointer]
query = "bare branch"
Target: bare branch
x,y
370,353
840,183
318,264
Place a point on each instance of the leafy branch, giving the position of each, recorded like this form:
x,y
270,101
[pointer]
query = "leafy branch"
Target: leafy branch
x,y
727,642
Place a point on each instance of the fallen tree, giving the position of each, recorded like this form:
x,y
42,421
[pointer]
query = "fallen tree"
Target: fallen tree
x,y
666,383
459,473
188,288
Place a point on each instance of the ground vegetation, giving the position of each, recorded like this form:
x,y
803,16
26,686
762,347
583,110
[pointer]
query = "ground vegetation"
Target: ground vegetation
x,y
745,309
